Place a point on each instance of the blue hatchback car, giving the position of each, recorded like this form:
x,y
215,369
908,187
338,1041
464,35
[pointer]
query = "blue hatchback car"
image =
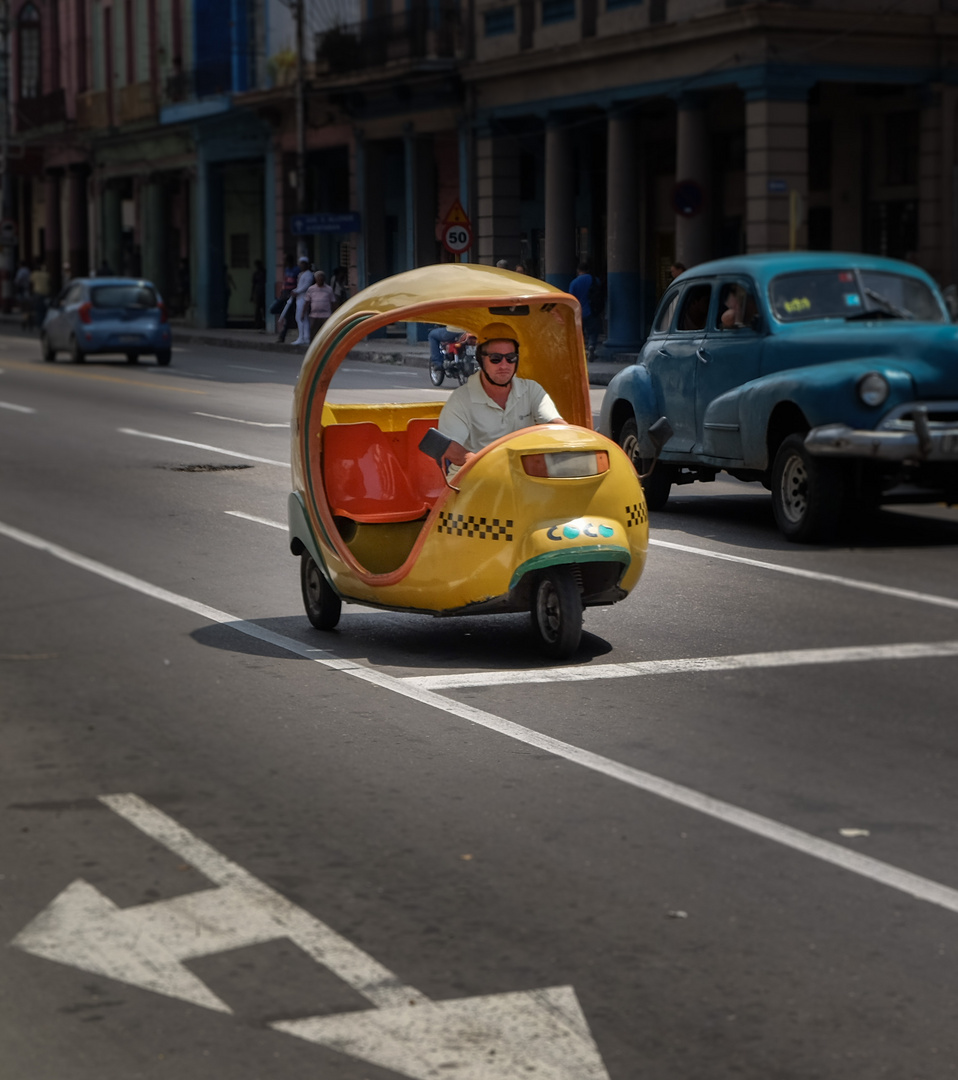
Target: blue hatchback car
x,y
107,315
830,378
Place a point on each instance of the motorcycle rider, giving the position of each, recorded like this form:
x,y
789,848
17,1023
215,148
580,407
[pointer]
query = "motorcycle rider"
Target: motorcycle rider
x,y
495,401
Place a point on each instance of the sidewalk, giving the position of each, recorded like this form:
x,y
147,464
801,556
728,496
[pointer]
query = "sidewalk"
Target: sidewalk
x,y
391,350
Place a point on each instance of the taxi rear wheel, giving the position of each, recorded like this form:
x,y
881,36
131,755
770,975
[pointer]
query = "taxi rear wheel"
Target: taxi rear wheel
x,y
557,612
323,606
807,493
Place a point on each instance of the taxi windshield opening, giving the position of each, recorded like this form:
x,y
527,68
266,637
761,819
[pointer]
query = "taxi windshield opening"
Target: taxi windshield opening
x,y
852,294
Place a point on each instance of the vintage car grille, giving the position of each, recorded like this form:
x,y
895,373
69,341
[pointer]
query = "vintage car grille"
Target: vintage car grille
x,y
940,414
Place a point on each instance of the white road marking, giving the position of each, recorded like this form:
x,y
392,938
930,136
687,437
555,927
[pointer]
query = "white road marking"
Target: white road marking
x,y
16,408
203,446
785,658
253,517
903,881
497,1037
815,575
258,370
236,420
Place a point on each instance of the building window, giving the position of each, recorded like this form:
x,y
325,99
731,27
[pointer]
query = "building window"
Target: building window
x,y
28,36
500,21
614,5
554,11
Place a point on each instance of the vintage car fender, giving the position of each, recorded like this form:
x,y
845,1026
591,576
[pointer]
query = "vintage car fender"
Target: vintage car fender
x,y
821,393
630,392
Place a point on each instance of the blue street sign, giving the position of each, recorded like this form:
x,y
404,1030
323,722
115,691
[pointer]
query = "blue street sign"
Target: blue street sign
x,y
312,224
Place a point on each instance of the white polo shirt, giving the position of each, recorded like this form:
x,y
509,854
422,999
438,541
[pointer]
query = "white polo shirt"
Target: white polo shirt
x,y
473,419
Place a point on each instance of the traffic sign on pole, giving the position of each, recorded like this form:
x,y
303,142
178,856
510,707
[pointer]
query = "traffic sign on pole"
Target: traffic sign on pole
x,y
457,238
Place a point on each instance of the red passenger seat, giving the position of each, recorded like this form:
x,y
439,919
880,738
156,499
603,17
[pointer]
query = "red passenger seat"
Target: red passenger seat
x,y
364,478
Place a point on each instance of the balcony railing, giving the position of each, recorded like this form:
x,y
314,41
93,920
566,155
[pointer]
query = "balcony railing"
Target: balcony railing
x,y
39,111
418,33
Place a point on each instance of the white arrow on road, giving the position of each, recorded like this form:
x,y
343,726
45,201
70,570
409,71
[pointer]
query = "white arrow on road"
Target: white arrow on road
x,y
486,1038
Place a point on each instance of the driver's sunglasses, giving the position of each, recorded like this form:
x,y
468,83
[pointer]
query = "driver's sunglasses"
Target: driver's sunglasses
x,y
497,358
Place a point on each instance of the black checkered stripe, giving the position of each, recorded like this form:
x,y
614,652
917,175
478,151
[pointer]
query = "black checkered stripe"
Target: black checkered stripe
x,y
636,515
460,525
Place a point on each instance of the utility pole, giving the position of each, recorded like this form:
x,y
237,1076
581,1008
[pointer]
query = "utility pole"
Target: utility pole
x,y
300,117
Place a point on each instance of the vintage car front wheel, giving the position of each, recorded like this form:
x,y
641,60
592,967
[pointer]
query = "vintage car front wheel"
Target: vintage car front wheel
x,y
807,493
323,606
557,612
656,486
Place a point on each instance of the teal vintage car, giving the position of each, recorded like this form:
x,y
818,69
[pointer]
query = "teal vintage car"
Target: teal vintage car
x,y
830,378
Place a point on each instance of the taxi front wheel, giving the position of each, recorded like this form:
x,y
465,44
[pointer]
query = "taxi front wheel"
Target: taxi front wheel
x,y
323,606
557,612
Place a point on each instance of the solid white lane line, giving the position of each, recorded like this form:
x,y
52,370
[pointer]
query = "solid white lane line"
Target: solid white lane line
x,y
258,370
203,446
814,575
874,869
16,408
236,420
785,658
253,517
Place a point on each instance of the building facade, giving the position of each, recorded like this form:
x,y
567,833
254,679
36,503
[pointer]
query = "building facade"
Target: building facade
x,y
626,133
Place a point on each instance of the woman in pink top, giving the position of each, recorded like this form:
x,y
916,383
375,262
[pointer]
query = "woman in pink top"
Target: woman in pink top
x,y
319,303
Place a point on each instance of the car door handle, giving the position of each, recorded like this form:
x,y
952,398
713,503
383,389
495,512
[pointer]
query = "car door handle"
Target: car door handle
x,y
665,353
703,354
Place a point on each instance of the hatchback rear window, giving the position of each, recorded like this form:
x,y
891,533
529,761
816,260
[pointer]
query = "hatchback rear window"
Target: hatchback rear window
x,y
840,294
123,296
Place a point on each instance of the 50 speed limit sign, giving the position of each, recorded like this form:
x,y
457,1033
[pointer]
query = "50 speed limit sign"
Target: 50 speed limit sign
x,y
457,237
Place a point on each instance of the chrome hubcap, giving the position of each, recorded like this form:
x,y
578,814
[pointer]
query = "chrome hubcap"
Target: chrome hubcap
x,y
794,490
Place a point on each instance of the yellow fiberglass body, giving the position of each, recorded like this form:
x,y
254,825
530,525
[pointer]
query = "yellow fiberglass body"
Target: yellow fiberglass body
x,y
550,519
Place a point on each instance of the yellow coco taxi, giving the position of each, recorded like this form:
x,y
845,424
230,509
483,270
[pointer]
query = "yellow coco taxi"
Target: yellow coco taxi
x,y
549,520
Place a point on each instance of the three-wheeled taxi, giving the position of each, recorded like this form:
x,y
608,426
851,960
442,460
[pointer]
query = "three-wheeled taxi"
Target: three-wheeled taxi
x,y
548,520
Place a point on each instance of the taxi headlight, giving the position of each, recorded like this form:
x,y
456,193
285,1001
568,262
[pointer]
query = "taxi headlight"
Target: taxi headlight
x,y
873,389
566,464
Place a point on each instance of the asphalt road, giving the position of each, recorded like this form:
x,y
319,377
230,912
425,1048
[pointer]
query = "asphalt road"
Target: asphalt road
x,y
719,843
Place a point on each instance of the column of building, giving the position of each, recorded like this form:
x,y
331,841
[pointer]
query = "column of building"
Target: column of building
x,y
53,254
932,237
776,169
693,218
624,253
78,242
560,204
497,201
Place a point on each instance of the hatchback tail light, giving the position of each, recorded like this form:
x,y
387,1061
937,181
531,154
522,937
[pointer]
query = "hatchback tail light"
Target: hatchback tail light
x,y
85,312
164,317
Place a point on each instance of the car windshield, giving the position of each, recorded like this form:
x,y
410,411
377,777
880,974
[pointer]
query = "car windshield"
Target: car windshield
x,y
845,294
123,296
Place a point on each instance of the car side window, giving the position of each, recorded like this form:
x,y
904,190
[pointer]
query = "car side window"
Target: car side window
x,y
666,311
695,308
737,308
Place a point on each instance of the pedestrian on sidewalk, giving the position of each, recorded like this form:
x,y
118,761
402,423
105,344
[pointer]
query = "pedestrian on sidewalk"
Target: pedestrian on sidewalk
x,y
258,295
303,282
340,286
590,293
290,274
319,302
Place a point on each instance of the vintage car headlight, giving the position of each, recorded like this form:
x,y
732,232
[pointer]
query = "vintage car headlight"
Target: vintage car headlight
x,y
873,389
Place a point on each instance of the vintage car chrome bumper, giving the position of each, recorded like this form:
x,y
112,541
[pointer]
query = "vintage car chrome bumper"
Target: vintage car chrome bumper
x,y
918,438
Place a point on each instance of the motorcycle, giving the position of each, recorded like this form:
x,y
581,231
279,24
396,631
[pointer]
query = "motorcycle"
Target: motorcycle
x,y
458,360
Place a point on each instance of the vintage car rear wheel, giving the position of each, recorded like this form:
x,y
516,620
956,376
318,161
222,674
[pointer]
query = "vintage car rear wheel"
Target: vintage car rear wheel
x,y
557,612
807,493
323,606
658,485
